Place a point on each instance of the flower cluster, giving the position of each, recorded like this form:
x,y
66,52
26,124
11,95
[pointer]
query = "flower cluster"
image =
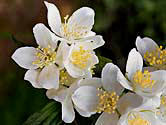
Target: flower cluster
x,y
63,63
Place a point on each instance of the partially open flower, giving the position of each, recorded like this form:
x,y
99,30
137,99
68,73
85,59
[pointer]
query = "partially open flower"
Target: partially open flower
x,y
153,54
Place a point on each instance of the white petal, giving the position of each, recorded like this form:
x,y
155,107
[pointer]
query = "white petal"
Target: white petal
x,y
123,81
54,19
73,70
68,113
96,82
109,78
25,56
49,77
134,63
154,102
83,17
83,113
145,44
91,33
86,98
32,76
160,82
44,36
59,55
93,61
123,120
107,119
57,94
129,101
91,43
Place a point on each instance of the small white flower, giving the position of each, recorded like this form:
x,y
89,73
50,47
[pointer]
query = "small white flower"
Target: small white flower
x,y
153,54
80,57
43,63
78,26
145,83
143,115
102,96
63,95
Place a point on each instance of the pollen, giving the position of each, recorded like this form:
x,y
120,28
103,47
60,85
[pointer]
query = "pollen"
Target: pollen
x,y
163,100
45,56
136,119
81,57
157,57
72,32
143,80
65,78
107,101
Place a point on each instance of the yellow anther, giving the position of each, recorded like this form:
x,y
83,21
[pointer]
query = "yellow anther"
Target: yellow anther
x,y
81,57
65,78
45,56
143,80
107,101
157,57
136,119
73,32
92,70
163,100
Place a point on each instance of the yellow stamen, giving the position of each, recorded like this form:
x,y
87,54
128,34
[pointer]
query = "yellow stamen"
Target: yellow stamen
x,y
81,57
65,78
143,80
73,32
157,57
92,70
45,56
136,119
107,101
163,100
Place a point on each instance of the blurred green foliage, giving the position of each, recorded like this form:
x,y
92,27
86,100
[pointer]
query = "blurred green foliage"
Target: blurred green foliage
x,y
119,21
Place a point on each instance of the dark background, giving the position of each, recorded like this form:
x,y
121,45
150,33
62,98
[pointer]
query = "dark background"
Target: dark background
x,y
119,21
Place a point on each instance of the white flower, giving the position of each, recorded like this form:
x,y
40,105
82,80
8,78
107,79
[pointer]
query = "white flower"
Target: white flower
x,y
63,95
145,83
143,115
80,57
43,63
153,54
102,95
78,26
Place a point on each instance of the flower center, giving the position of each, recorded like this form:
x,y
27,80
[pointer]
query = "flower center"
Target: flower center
x,y
157,57
45,56
81,57
143,79
72,32
136,119
107,101
65,78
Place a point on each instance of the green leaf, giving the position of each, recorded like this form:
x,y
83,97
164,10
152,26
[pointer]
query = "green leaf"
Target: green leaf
x,y
50,114
102,62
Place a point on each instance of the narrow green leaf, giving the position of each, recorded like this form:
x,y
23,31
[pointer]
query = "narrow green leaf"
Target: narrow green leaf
x,y
45,116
